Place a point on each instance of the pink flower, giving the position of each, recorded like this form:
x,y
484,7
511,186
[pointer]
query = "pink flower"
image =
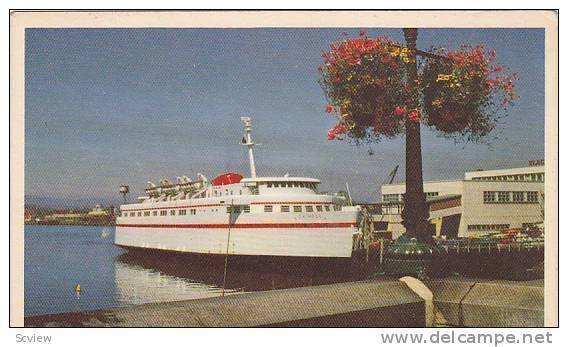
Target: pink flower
x,y
328,109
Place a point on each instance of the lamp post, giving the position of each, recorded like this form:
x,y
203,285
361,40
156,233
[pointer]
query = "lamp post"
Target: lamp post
x,y
413,253
230,213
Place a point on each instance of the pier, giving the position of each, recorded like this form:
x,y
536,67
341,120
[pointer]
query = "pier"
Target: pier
x,y
380,302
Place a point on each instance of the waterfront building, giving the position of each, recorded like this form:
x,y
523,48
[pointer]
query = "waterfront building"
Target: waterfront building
x,y
482,202
99,211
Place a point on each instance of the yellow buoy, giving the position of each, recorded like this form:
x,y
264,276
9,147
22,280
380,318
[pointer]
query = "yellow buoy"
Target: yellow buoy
x,y
78,288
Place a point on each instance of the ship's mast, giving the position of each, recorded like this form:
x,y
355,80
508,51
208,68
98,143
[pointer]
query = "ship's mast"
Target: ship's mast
x,y
247,141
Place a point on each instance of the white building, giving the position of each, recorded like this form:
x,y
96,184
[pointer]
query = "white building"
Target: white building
x,y
483,202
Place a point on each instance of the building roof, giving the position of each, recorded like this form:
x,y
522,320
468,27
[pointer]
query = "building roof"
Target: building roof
x,y
428,199
502,172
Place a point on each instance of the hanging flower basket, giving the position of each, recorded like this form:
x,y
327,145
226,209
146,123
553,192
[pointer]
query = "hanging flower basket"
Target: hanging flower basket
x,y
365,83
465,94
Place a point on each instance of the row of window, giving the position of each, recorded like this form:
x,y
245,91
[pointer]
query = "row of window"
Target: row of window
x,y
227,192
510,197
398,197
299,208
487,227
533,177
291,185
237,209
161,213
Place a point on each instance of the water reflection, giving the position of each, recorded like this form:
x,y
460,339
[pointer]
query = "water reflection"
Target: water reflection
x,y
140,282
144,278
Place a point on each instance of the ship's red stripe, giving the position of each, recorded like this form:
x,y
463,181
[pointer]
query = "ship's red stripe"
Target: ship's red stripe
x,y
252,203
241,225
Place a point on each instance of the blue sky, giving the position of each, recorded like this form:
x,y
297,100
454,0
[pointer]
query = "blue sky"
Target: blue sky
x,y
106,107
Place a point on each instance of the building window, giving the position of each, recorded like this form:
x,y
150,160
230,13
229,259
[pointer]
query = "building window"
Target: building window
x,y
327,208
532,196
488,197
309,209
319,208
246,209
269,185
125,214
518,196
284,208
297,208
139,214
172,212
336,208
193,211
146,213
163,213
431,194
267,208
504,196
132,214
391,197
487,227
182,212
154,213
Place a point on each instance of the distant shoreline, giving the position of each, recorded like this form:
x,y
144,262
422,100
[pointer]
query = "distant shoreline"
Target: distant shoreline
x,y
76,224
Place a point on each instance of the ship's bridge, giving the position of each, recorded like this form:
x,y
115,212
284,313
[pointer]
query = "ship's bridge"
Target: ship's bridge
x,y
282,185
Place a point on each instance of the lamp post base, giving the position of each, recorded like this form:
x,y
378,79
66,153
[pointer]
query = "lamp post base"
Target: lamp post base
x,y
409,257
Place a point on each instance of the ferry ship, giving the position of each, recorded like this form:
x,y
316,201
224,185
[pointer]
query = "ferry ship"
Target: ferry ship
x,y
252,216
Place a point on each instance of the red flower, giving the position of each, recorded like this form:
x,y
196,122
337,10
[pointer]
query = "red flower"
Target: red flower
x,y
414,116
399,111
328,109
385,59
380,83
337,130
331,134
340,129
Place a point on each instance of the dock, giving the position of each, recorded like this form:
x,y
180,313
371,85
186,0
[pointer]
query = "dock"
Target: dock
x,y
380,302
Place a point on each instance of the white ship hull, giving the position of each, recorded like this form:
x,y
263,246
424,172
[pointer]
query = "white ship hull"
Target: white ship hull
x,y
296,242
301,235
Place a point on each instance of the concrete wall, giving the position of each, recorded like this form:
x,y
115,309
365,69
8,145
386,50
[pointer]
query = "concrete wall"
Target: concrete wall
x,y
488,303
372,303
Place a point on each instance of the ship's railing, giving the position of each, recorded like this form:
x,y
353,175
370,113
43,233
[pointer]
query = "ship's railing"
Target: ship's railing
x,y
185,187
488,244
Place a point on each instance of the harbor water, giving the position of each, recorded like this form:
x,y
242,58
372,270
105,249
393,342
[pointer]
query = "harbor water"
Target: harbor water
x,y
58,258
